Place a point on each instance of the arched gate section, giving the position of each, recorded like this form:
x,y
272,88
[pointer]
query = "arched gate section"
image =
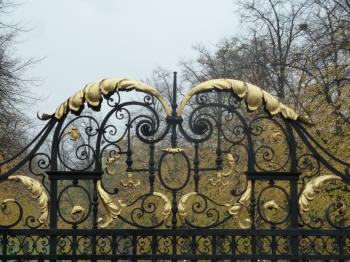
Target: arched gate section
x,y
228,174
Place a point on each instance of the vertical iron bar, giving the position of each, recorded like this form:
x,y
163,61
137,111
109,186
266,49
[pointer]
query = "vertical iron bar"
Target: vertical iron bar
x,y
294,215
173,113
114,247
74,247
53,187
95,204
4,246
219,126
134,247
196,167
174,210
194,246
273,244
252,216
174,248
151,168
53,216
233,248
129,160
294,209
341,246
154,245
94,211
213,242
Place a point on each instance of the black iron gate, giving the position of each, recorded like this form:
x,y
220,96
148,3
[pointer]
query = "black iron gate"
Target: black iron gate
x,y
229,174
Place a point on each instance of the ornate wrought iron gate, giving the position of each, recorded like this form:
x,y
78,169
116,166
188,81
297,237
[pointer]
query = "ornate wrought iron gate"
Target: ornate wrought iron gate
x,y
230,174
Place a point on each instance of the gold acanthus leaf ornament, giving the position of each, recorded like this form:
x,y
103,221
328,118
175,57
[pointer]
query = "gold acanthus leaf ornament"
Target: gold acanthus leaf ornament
x,y
74,133
109,162
181,206
173,150
237,208
92,93
167,207
254,96
112,209
38,192
309,192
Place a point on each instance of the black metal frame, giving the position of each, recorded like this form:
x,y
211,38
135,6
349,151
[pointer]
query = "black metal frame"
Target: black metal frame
x,y
214,116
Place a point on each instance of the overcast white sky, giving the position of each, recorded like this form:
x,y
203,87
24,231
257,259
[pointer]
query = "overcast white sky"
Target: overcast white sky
x,y
88,40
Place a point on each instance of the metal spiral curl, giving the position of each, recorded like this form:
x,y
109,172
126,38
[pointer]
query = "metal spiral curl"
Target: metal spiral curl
x,y
149,100
234,102
146,128
202,208
145,208
202,99
309,165
43,163
32,222
338,210
114,100
84,150
7,211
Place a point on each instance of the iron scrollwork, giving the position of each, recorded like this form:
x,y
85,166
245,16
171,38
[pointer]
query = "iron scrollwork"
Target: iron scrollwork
x,y
223,175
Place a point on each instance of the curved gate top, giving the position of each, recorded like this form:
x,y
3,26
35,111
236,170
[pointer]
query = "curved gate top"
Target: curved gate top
x,y
228,173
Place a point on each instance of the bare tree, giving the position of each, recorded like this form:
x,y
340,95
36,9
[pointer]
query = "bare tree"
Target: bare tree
x,y
14,88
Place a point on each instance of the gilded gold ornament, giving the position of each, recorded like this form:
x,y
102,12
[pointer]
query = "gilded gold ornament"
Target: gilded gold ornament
x,y
181,206
254,96
231,163
92,94
167,207
109,162
218,182
309,192
74,134
44,116
77,213
38,192
130,184
270,205
112,209
173,150
237,208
